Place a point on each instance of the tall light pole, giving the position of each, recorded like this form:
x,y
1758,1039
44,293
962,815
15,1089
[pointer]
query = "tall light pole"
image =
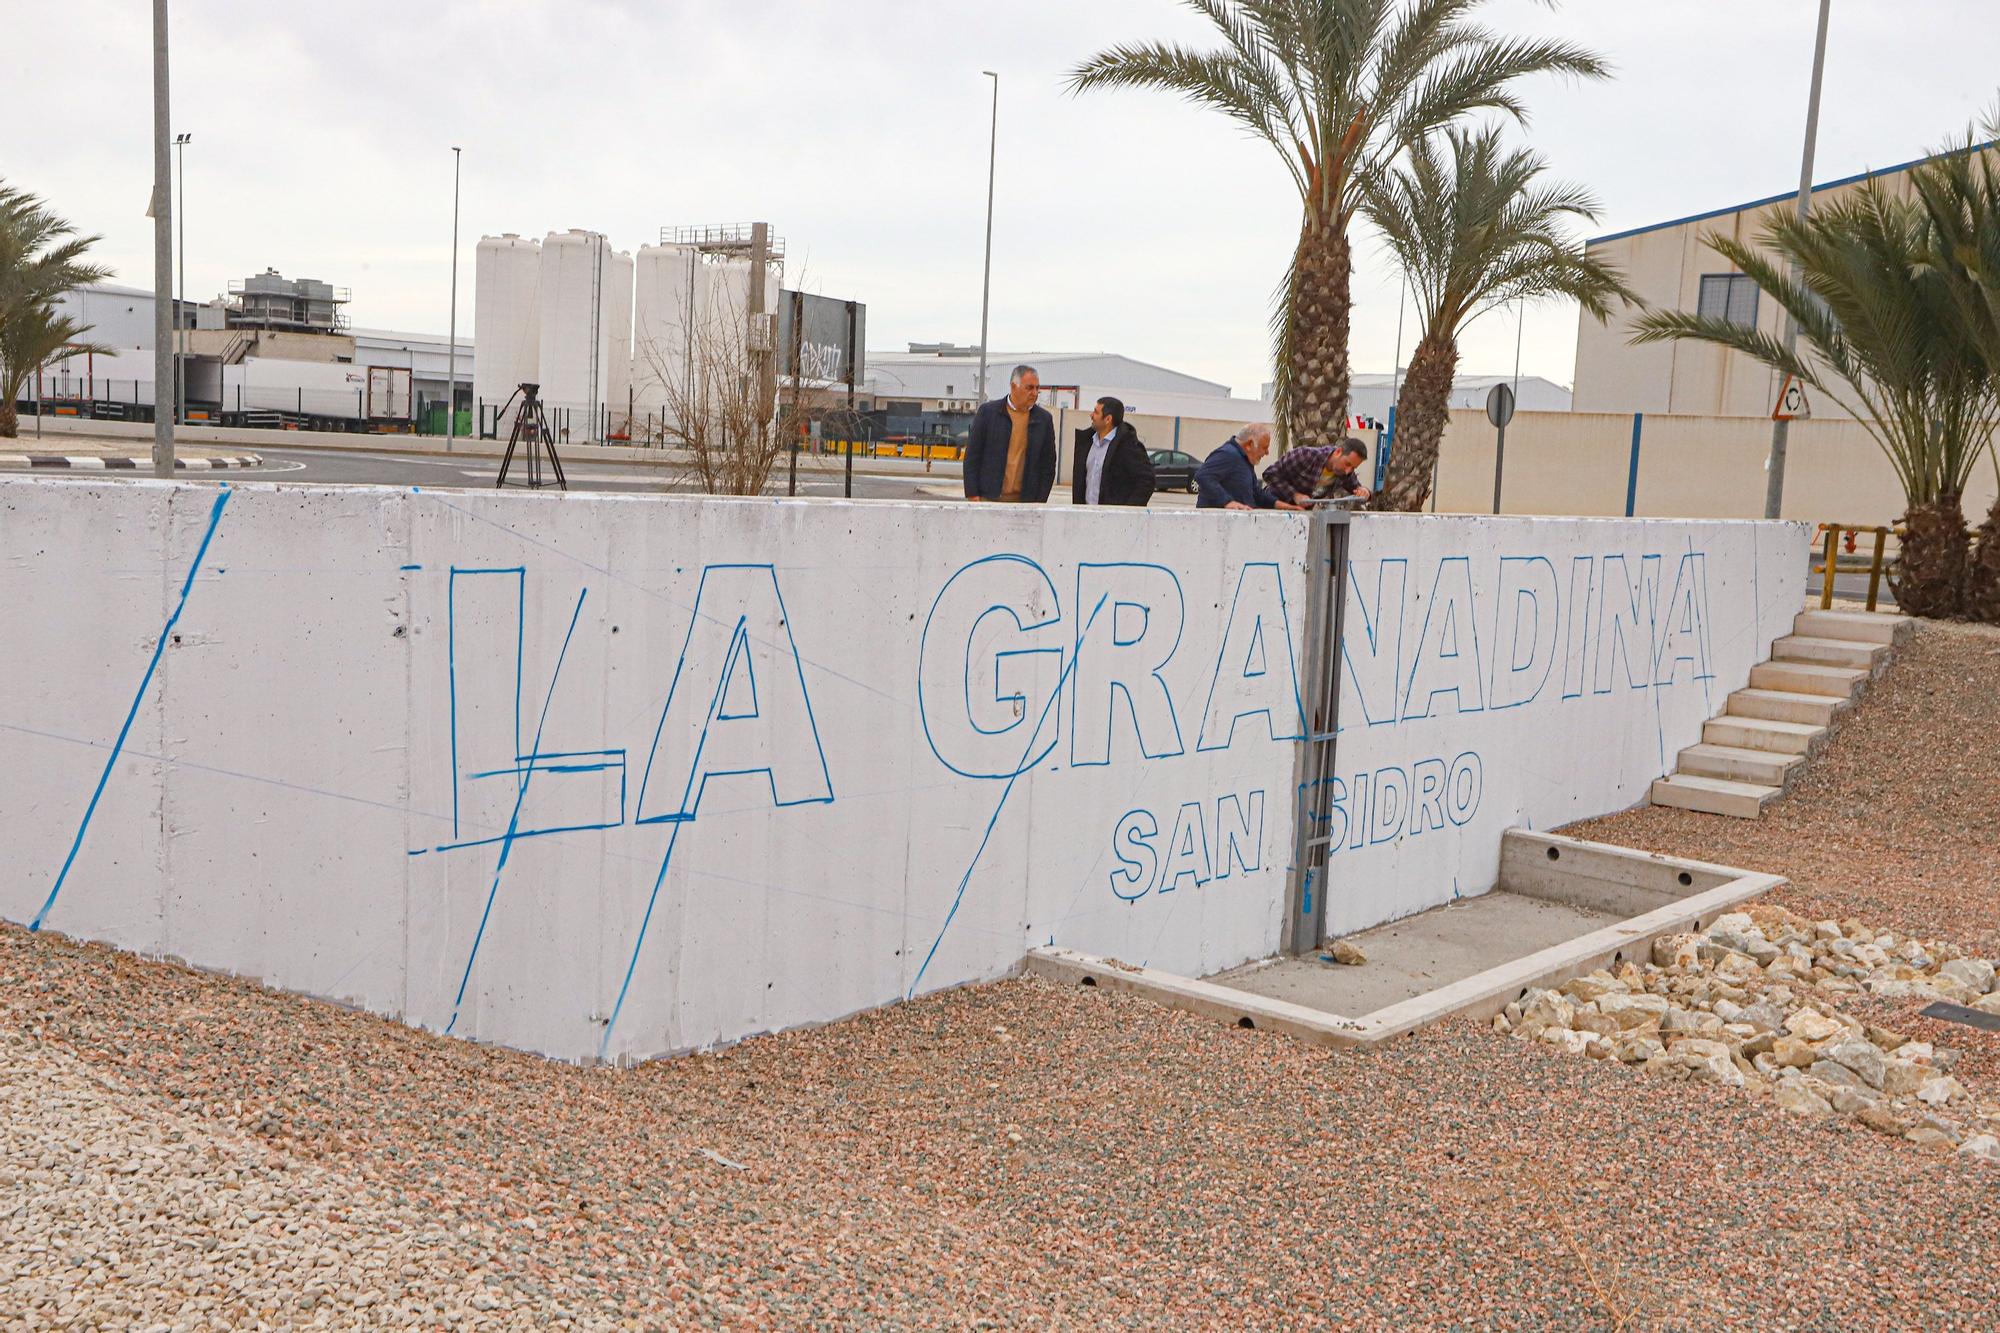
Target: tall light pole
x,y
451,375
1774,483
986,290
180,302
163,251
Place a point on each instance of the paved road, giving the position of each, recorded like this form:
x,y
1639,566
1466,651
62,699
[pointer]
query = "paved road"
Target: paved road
x,y
328,467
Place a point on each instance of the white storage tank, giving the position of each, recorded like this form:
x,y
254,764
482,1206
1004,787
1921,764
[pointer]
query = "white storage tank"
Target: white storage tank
x,y
506,322
582,306
618,313
663,307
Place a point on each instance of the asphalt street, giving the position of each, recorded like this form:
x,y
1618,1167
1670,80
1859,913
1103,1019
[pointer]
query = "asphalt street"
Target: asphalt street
x,y
339,467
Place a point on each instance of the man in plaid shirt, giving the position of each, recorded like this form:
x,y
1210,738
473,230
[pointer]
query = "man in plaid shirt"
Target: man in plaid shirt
x,y
1321,471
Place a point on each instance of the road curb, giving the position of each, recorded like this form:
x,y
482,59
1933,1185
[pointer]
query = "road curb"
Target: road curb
x,y
119,462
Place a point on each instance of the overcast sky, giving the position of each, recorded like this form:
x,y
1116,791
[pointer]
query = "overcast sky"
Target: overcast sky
x,y
1126,222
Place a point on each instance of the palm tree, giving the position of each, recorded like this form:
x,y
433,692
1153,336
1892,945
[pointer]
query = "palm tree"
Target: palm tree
x,y
41,257
1959,192
1474,231
1883,339
1339,88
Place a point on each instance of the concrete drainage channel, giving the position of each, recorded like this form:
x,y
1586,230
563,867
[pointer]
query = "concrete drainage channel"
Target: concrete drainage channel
x,y
1563,907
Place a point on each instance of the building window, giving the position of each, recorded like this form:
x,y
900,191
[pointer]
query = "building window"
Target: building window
x,y
1729,296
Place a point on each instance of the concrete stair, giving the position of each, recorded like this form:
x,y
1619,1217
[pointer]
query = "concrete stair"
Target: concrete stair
x,y
1749,755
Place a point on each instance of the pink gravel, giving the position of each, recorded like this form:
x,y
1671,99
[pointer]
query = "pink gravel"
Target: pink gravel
x,y
1169,1173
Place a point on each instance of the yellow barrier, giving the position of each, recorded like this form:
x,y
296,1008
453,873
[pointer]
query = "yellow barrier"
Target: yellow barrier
x,y
1830,560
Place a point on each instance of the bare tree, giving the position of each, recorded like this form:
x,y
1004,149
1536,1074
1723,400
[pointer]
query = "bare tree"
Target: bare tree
x,y
711,411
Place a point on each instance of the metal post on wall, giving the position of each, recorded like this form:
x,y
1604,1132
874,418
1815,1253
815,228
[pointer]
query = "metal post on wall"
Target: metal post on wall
x,y
849,432
163,249
792,352
180,333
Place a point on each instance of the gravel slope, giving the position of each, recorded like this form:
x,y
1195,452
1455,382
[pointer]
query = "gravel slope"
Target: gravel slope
x,y
1168,1172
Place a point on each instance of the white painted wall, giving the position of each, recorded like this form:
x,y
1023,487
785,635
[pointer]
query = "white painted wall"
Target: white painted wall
x,y
753,755
1526,672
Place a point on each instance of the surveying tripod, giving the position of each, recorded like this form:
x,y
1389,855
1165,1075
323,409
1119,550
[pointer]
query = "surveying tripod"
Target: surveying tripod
x,y
531,425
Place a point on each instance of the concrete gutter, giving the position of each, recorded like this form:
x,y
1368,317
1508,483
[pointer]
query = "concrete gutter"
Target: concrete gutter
x,y
1613,877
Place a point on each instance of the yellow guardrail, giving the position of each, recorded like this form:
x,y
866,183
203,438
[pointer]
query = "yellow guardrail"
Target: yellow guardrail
x,y
1831,562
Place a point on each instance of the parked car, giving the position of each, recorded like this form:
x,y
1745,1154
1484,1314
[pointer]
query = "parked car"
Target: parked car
x,y
1174,470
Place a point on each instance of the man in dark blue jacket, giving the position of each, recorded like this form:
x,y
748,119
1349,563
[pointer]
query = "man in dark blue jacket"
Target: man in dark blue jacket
x,y
1227,478
1011,453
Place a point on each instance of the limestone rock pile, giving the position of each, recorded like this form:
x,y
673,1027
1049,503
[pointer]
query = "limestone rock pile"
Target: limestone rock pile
x,y
1755,1002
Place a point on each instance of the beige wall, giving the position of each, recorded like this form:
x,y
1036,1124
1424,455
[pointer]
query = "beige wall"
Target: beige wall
x,y
1665,267
1689,467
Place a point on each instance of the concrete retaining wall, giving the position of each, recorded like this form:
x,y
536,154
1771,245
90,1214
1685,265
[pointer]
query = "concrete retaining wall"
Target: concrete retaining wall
x,y
1525,673
601,775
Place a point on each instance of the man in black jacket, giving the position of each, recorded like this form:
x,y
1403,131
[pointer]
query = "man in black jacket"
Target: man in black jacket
x,y
1011,453
1111,466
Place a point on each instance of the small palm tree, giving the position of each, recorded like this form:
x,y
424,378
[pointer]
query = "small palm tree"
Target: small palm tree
x,y
1339,89
1474,231
1960,194
1883,339
41,257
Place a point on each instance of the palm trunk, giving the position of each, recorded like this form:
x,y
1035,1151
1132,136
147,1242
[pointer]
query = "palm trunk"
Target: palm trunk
x,y
1982,591
1316,335
1423,410
10,420
1936,555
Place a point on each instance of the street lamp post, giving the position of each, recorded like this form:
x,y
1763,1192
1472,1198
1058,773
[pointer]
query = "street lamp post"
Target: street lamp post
x,y
180,302
451,377
1774,484
986,289
163,251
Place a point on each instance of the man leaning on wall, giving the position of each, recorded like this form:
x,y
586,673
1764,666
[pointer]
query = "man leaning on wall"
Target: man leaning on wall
x,y
1010,456
1227,478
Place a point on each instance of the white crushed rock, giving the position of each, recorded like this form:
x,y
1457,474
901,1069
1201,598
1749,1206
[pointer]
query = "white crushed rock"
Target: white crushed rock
x,y
117,1211
1753,1002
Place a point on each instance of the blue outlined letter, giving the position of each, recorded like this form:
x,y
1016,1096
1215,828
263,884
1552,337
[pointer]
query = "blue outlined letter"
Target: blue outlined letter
x,y
1132,879
1376,670
1525,629
1683,627
1123,654
738,703
983,670
1447,657
1238,688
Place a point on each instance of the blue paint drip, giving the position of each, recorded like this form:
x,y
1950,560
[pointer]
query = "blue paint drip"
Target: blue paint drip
x,y
407,567
1001,804
514,820
187,586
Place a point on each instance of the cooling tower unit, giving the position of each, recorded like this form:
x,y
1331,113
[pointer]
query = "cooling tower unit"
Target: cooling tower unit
x,y
583,307
506,324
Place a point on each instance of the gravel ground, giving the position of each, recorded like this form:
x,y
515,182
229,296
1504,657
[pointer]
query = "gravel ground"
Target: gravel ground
x,y
1897,821
119,1211
1024,1155
1021,1155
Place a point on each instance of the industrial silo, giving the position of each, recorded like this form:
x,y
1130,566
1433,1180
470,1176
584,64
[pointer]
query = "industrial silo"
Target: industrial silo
x,y
581,309
506,323
618,314
663,313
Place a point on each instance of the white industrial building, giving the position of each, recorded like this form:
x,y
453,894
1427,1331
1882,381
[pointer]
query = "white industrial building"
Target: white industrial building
x,y
262,354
